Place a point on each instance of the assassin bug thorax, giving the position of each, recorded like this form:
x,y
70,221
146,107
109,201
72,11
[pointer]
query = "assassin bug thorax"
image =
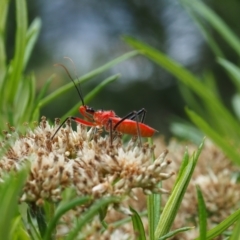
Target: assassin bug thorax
x,y
130,124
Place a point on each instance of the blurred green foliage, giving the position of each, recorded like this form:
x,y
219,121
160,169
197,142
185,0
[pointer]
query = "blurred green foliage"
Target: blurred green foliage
x,y
208,112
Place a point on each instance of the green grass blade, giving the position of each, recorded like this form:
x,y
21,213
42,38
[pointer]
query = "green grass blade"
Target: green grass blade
x,y
3,16
233,70
87,77
92,211
236,231
17,230
137,225
153,206
224,225
32,35
171,208
205,31
228,123
63,209
175,232
202,215
32,228
20,44
182,169
229,150
91,95
200,8
9,192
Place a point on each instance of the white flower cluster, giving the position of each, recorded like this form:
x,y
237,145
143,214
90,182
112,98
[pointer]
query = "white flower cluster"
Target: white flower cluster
x,y
82,160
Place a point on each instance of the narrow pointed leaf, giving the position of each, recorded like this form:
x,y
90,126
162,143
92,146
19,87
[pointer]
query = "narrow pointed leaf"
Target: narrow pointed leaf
x,y
87,77
202,215
229,150
85,218
224,225
61,210
171,208
175,232
138,225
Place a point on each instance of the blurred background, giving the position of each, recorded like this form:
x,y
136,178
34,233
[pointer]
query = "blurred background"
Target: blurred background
x,y
90,33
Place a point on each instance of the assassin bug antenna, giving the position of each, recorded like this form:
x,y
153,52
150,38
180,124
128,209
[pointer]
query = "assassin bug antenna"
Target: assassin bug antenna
x,y
77,88
69,75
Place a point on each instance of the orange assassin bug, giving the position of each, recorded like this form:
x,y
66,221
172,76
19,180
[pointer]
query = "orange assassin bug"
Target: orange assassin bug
x,y
129,124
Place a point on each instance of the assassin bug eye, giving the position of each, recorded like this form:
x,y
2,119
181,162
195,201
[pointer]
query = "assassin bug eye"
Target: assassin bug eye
x,y
90,110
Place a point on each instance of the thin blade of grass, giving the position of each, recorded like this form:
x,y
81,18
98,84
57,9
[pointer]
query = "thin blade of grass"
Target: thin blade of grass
x,y
3,16
137,225
36,108
10,189
229,125
17,231
236,105
224,225
229,150
233,70
171,208
32,35
32,229
204,30
61,210
200,8
202,215
85,218
87,77
236,231
153,205
175,232
20,44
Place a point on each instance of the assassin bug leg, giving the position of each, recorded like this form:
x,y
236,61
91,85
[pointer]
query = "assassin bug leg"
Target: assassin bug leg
x,y
141,112
133,115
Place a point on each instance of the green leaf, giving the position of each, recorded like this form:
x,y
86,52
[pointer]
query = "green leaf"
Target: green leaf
x,y
17,231
226,123
233,70
206,32
32,229
171,208
63,208
20,44
86,77
10,189
36,108
3,16
236,104
200,8
236,231
32,35
175,232
229,150
202,214
153,205
137,225
224,225
90,213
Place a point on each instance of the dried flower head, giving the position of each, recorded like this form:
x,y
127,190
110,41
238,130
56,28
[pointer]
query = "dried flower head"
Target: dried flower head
x,y
84,161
